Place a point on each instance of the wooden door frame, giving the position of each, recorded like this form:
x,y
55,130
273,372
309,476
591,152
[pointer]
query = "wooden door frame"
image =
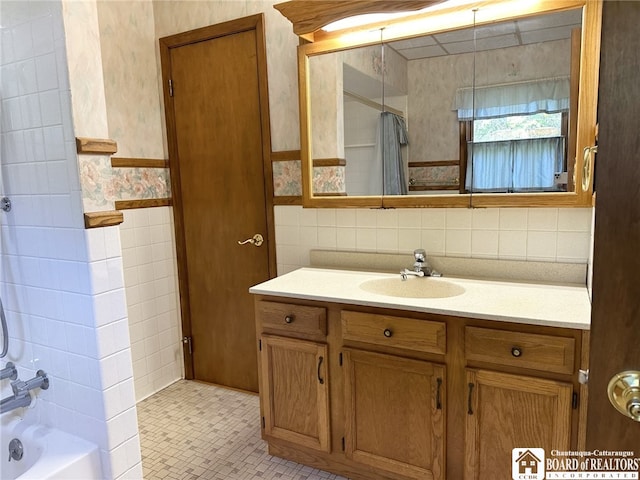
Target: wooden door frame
x,y
253,22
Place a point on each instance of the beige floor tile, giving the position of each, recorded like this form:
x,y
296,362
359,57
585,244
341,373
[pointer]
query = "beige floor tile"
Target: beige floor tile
x,y
192,430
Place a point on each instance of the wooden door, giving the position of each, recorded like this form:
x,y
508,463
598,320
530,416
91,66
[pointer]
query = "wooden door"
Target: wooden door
x,y
615,319
510,411
295,391
395,414
218,133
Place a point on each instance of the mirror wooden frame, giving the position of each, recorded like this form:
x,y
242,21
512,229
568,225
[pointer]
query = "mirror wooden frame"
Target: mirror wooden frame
x,y
445,19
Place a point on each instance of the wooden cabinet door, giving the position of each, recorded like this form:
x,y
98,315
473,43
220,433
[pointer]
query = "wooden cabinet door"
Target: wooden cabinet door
x,y
294,391
395,413
512,411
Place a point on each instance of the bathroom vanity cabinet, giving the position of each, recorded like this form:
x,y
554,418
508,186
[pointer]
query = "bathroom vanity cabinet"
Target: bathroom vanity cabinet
x,y
294,380
376,393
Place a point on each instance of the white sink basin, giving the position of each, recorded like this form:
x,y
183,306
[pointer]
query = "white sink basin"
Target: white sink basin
x,y
412,287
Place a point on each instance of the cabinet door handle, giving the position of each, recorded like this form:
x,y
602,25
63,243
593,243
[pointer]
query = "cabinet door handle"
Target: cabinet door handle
x,y
516,352
320,379
289,319
438,401
387,333
470,399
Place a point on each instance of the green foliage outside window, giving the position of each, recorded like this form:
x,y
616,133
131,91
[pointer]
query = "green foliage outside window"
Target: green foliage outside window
x,y
538,125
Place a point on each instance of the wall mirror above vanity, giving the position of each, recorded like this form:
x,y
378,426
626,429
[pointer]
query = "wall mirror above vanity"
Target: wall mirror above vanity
x,y
484,104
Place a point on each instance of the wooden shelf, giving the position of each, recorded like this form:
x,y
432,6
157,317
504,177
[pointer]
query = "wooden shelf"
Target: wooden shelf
x,y
425,188
103,219
435,163
286,155
139,163
287,200
145,203
329,162
100,146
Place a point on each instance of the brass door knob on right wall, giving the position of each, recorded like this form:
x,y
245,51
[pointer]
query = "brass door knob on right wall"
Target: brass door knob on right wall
x,y
624,393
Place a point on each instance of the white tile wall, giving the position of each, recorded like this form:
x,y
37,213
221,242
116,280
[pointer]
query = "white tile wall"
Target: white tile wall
x,y
360,124
62,286
536,234
150,277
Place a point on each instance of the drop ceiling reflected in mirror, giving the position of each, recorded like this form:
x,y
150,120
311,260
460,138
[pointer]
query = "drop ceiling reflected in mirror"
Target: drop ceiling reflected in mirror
x,y
526,31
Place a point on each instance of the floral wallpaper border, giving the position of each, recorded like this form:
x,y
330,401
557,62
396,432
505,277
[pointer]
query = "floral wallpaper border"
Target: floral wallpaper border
x,y
432,176
329,180
287,178
102,185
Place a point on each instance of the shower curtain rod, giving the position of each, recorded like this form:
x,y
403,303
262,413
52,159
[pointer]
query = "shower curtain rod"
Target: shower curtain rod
x,y
372,104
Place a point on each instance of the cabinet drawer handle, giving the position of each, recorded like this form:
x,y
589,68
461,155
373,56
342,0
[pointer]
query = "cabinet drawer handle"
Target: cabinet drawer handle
x,y
516,352
289,319
387,333
438,401
320,379
470,399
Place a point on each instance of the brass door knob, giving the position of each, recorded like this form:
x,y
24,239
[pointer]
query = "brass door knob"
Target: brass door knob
x,y
624,393
256,240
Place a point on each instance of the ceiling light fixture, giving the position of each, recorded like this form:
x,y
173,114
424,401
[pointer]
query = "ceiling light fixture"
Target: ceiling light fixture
x,y
369,18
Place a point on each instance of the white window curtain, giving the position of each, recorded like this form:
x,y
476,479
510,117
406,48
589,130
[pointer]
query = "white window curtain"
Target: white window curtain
x,y
550,95
514,165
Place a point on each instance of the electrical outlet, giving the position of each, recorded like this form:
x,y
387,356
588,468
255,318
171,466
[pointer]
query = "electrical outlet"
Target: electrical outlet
x,y
560,178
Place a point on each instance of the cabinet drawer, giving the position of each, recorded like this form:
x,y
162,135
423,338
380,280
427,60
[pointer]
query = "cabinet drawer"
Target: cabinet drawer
x,y
398,332
286,317
527,350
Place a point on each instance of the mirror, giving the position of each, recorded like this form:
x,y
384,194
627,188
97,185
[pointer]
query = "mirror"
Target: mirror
x,y
468,115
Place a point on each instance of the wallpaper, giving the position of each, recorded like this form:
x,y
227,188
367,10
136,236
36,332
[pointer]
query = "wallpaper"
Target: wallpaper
x,y
82,40
129,33
446,175
368,60
433,124
127,37
102,185
325,106
329,180
286,178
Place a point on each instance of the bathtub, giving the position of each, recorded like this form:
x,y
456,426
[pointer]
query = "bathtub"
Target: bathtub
x,y
48,454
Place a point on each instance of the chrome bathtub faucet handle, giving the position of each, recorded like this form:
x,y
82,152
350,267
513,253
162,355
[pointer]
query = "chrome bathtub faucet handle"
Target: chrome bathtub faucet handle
x,y
16,450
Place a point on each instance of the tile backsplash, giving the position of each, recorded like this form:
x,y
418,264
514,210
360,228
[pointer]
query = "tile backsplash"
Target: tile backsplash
x,y
530,234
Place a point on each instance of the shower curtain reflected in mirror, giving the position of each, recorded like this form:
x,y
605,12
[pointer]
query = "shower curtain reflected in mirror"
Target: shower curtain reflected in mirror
x,y
391,137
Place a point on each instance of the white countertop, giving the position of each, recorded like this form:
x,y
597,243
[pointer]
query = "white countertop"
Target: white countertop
x,y
530,303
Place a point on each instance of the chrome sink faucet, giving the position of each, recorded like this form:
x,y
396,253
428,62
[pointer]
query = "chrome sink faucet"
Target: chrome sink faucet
x,y
421,267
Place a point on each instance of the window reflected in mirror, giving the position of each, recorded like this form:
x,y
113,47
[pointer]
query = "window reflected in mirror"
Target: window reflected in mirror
x,y
519,113
491,109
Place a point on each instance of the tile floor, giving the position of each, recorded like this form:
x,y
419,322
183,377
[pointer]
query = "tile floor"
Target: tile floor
x,y
192,430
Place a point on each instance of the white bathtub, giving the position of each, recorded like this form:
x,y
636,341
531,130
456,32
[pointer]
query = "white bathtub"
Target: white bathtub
x,y
48,454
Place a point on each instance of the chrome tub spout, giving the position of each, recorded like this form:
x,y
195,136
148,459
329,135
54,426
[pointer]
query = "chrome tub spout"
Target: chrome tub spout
x,y
13,402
